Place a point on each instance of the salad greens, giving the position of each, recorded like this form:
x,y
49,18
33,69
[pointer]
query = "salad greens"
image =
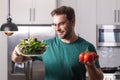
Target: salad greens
x,y
31,46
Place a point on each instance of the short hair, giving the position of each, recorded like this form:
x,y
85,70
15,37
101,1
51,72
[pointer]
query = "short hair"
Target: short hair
x,y
68,11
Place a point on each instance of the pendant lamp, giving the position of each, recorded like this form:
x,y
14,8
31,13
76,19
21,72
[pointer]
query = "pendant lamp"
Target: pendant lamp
x,y
9,26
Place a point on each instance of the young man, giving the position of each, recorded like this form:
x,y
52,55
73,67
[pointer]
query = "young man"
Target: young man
x,y
61,57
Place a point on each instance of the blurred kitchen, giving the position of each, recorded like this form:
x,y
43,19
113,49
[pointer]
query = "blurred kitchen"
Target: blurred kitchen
x,y
98,21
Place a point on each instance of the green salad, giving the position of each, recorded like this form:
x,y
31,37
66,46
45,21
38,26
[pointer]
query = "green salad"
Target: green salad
x,y
31,46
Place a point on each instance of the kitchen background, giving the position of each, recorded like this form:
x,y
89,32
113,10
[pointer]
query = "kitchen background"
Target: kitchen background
x,y
89,13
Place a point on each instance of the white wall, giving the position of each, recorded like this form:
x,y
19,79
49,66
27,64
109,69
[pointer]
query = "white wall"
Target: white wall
x,y
86,21
3,56
85,18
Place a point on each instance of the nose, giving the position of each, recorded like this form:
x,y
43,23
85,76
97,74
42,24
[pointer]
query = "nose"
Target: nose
x,y
57,28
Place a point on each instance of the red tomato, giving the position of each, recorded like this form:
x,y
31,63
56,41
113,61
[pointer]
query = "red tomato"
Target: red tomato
x,y
88,58
81,57
95,56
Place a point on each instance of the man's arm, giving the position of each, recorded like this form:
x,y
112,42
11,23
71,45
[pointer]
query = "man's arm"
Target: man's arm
x,y
94,73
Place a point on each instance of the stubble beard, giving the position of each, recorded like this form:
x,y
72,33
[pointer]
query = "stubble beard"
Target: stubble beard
x,y
66,35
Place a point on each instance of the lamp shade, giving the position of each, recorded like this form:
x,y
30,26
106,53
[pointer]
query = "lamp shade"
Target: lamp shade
x,y
9,26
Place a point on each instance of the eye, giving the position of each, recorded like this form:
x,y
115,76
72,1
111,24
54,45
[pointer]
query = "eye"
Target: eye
x,y
59,24
53,24
62,23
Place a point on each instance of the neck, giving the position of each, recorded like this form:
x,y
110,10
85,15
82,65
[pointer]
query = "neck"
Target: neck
x,y
70,39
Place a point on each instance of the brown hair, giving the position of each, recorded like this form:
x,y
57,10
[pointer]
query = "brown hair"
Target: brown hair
x,y
68,11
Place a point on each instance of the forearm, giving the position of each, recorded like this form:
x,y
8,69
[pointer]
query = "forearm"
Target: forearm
x,y
94,73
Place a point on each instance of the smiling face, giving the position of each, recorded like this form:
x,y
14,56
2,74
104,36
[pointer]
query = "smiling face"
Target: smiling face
x,y
64,28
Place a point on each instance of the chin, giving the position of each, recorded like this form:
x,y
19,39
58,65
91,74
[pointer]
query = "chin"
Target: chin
x,y
61,37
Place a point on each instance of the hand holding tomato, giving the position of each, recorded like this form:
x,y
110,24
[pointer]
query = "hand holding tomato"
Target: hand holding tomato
x,y
95,56
87,56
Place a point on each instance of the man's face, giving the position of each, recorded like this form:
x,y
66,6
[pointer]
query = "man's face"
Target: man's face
x,y
63,27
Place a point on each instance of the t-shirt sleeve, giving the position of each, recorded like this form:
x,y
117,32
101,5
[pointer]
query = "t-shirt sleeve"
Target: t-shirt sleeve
x,y
36,58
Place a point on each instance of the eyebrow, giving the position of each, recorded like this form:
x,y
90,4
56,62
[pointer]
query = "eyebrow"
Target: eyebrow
x,y
60,22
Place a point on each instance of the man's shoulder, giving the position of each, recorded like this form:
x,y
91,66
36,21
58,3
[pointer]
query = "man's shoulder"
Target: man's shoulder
x,y
84,42
48,41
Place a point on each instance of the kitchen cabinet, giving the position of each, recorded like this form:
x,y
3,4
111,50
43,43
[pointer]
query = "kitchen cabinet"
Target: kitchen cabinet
x,y
108,11
3,11
32,11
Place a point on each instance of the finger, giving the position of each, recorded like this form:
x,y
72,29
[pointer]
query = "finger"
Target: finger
x,y
89,63
17,50
15,53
